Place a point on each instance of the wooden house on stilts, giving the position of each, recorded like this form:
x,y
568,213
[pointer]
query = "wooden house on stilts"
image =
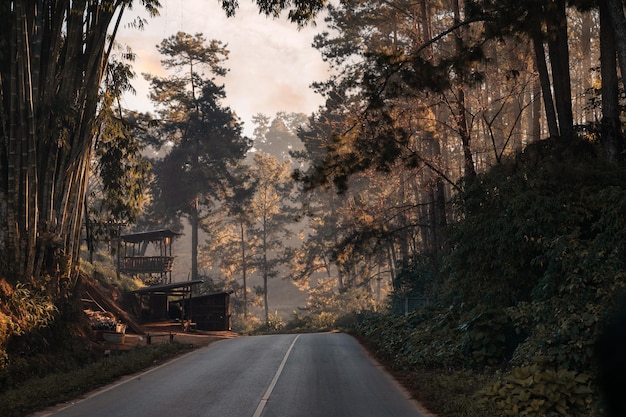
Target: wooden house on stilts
x,y
154,269
163,299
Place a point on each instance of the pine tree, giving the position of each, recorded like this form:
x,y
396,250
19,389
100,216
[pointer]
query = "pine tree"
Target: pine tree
x,y
205,137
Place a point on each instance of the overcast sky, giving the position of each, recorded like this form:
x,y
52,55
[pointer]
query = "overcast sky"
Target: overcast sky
x,y
271,62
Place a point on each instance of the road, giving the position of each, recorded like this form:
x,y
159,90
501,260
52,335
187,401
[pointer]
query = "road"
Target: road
x,y
309,375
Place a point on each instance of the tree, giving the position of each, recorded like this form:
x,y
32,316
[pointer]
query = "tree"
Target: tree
x,y
278,136
116,190
610,129
229,248
206,138
272,215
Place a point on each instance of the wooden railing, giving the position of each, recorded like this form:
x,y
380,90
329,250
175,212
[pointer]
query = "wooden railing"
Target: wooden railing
x,y
147,264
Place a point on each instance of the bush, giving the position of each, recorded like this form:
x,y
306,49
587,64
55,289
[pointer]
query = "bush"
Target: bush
x,y
488,337
535,392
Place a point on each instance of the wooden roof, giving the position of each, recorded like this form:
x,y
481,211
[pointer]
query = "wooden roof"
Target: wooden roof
x,y
150,236
173,288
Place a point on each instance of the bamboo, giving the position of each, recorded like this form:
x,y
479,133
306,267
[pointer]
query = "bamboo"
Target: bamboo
x,y
58,52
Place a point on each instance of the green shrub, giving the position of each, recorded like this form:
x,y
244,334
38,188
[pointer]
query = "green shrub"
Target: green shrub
x,y
428,337
534,391
488,337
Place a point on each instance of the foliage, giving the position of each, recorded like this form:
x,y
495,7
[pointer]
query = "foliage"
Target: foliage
x,y
448,343
245,325
535,391
488,337
203,135
449,392
103,268
557,260
426,338
299,12
326,298
22,310
436,337
417,278
27,309
543,205
273,323
121,169
328,308
540,287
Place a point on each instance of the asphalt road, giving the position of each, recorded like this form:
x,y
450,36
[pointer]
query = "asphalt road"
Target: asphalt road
x,y
309,375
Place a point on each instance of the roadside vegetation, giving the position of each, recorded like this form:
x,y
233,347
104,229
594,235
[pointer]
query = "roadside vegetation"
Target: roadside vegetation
x,y
536,265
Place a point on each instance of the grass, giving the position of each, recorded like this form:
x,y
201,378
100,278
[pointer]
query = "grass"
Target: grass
x,y
40,392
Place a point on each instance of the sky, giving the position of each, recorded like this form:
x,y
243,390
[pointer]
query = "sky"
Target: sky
x,y
272,63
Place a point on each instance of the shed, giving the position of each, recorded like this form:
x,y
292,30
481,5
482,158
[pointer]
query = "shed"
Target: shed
x,y
153,302
208,311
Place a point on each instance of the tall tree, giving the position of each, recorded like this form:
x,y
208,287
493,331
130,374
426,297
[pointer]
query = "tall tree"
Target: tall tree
x,y
229,247
272,213
610,129
206,137
615,11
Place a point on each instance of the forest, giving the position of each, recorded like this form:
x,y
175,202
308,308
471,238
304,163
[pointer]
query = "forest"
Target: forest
x,y
458,203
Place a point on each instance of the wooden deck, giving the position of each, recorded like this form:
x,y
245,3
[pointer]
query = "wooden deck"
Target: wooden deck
x,y
147,264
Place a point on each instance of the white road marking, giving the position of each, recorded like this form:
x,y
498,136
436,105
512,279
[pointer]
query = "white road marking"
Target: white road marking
x,y
266,397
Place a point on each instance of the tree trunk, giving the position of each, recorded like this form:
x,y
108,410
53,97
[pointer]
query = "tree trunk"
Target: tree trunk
x,y
616,12
534,122
546,90
195,225
244,271
559,61
265,273
586,66
403,224
610,135
460,115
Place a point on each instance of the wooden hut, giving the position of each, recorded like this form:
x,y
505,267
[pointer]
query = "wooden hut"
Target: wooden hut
x,y
209,311
154,269
153,303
